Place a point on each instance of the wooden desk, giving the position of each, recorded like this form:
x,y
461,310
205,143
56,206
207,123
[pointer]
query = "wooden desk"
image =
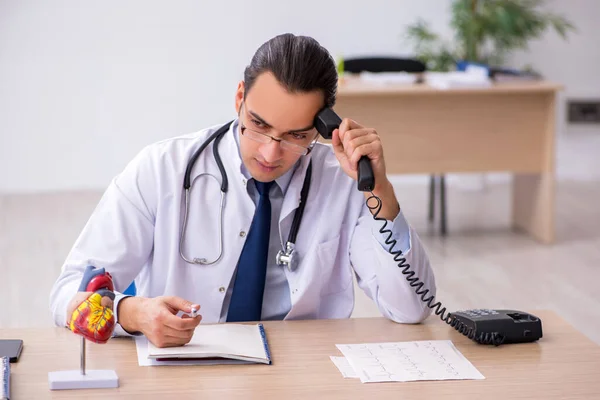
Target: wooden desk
x,y
563,364
503,128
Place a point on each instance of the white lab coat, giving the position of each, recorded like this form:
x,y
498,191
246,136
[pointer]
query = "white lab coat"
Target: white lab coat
x,y
134,233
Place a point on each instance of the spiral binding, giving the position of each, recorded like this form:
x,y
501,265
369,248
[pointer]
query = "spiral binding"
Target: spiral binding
x,y
494,338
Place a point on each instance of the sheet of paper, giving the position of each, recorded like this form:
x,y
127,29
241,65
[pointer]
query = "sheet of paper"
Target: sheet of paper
x,y
408,361
345,368
388,77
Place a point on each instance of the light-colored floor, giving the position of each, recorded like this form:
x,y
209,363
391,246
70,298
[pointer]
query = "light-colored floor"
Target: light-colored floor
x,y
481,263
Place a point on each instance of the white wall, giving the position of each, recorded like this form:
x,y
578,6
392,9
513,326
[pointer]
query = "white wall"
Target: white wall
x,y
574,62
85,85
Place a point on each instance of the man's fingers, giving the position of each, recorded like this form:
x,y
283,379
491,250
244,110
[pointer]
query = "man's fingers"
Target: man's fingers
x,y
336,141
358,141
168,331
363,150
178,304
165,328
338,148
355,134
182,324
352,140
347,125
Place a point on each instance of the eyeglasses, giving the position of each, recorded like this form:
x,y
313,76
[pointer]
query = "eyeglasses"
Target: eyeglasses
x,y
296,142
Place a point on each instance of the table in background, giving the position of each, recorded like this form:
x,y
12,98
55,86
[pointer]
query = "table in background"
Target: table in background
x,y
508,127
564,363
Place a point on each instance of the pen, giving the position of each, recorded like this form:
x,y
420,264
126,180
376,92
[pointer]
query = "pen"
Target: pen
x,y
194,312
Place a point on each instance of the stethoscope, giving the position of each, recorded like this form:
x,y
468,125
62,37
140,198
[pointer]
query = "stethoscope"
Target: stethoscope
x,y
285,257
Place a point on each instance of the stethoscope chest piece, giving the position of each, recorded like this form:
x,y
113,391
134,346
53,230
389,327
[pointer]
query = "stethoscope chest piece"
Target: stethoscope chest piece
x,y
288,258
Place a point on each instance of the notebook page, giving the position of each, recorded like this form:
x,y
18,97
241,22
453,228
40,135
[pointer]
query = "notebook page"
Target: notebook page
x,y
217,339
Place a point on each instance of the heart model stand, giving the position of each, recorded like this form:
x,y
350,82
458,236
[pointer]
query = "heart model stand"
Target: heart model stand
x,y
94,320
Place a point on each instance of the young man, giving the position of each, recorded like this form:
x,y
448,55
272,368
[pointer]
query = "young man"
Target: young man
x,y
226,264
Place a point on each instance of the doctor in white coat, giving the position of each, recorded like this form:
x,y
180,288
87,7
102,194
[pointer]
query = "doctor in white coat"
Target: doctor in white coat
x,y
135,230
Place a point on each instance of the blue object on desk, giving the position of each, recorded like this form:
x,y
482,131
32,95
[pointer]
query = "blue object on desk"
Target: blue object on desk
x,y
4,378
131,290
463,65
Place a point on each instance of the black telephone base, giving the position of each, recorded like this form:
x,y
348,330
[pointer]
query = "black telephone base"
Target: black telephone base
x,y
487,326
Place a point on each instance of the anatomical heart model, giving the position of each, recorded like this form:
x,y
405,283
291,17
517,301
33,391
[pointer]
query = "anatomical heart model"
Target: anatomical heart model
x,y
94,318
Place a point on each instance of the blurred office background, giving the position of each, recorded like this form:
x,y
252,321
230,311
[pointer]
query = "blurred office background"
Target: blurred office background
x,y
85,85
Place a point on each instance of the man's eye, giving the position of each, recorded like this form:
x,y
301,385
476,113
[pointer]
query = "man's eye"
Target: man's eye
x,y
298,136
257,123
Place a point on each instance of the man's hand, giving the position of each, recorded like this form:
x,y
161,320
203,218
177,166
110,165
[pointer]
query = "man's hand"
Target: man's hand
x,y
156,318
352,141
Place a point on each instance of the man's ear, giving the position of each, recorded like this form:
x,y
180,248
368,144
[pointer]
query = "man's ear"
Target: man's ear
x,y
239,96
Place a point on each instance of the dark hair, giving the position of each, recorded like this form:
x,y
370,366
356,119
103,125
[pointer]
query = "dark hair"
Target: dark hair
x,y
299,63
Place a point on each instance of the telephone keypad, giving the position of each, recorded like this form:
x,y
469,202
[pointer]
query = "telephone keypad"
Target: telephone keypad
x,y
480,312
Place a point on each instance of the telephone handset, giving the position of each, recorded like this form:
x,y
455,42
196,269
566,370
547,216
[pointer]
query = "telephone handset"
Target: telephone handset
x,y
481,325
326,122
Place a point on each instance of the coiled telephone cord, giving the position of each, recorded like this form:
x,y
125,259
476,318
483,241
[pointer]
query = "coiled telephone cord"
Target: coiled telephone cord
x,y
483,338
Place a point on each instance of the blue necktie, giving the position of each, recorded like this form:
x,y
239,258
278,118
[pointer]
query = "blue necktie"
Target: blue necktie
x,y
247,297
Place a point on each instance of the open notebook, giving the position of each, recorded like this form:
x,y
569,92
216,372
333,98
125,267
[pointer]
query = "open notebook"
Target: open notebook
x,y
241,342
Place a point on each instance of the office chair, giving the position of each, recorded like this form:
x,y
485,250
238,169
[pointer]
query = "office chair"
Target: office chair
x,y
396,64
382,64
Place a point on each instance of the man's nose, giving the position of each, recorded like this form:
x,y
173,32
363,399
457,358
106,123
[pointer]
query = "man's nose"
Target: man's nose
x,y
271,151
